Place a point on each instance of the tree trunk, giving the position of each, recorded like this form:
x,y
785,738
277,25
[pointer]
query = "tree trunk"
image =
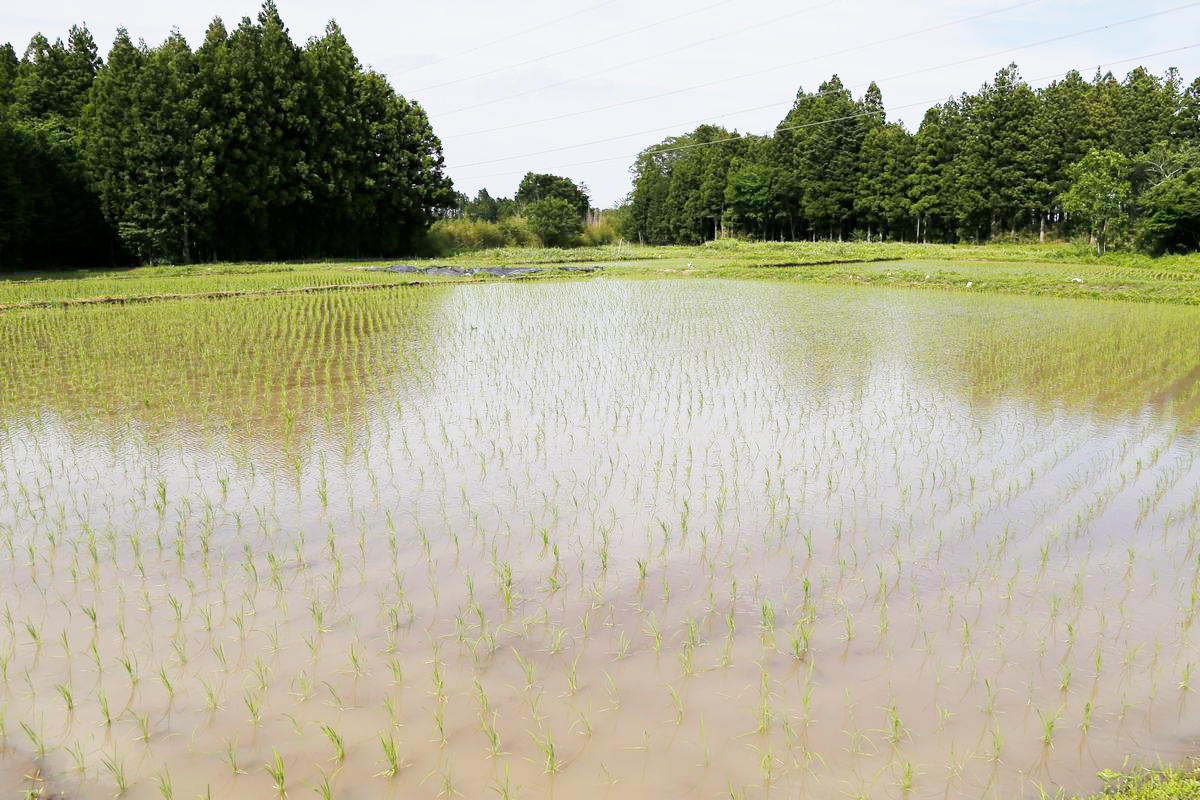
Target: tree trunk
x,y
1041,227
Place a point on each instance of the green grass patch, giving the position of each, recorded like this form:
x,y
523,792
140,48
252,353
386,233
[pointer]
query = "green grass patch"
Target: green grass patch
x,y
1053,269
1147,784
158,283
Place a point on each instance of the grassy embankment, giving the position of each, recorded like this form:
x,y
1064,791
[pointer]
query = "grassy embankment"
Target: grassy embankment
x,y
1061,270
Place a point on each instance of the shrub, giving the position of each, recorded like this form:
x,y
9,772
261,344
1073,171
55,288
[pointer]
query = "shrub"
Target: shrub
x,y
1173,215
466,234
556,222
602,232
517,232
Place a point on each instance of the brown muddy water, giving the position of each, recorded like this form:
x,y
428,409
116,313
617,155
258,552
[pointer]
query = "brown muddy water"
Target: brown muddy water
x,y
604,539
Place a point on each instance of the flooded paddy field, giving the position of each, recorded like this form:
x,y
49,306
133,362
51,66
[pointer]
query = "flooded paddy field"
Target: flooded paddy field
x,y
597,539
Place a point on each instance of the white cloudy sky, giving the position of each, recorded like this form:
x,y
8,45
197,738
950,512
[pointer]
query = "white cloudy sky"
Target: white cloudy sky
x,y
463,61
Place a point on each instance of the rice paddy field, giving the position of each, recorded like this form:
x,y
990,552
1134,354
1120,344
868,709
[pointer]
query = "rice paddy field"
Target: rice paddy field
x,y
628,536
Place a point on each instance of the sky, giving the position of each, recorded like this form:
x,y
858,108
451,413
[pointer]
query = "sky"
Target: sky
x,y
579,87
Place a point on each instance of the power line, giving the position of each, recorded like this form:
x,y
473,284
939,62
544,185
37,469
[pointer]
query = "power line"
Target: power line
x,y
745,74
734,138
592,43
511,36
622,136
642,60
783,66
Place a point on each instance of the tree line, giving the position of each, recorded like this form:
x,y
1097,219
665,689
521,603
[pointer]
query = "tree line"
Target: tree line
x,y
254,147
248,147
1116,160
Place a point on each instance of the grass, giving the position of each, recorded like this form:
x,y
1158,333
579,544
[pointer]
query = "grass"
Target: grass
x,y
1149,784
1052,269
732,252
156,283
1070,280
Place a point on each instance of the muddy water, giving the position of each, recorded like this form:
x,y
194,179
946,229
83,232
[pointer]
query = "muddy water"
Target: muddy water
x,y
598,539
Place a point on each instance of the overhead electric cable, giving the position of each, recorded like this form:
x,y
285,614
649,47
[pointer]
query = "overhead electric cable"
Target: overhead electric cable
x,y
643,59
830,54
586,45
502,39
784,66
818,123
706,118
675,126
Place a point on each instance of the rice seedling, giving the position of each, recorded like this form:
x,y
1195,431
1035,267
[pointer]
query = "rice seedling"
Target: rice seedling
x,y
339,745
391,756
68,699
254,706
677,703
504,788
36,739
1049,721
231,758
488,726
545,744
324,787
275,769
115,766
142,721
165,788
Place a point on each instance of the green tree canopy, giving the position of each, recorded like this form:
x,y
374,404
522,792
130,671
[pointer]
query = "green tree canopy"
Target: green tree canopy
x,y
996,162
556,221
1172,203
249,147
538,186
1100,189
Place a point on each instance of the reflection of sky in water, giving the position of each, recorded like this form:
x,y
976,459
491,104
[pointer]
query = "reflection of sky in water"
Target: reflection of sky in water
x,y
978,461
